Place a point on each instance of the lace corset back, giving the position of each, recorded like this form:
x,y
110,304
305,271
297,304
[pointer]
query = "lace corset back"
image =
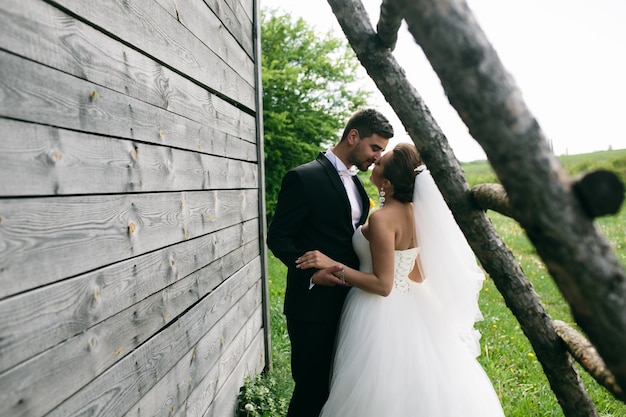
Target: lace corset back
x,y
403,260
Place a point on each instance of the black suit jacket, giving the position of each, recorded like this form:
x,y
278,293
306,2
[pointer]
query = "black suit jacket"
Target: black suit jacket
x,y
313,212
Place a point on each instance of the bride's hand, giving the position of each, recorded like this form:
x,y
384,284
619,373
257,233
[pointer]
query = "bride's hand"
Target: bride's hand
x,y
314,259
330,276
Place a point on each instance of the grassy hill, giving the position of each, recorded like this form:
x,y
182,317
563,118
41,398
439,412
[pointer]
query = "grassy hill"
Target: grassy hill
x,y
507,356
480,172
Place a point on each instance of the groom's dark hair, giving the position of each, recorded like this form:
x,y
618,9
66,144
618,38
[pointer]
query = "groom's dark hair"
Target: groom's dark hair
x,y
367,122
399,169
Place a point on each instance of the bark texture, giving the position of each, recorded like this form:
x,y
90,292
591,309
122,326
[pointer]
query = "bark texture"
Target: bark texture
x,y
540,192
495,257
599,192
492,197
587,356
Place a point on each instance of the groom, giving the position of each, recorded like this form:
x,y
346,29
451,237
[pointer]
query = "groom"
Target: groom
x,y
319,206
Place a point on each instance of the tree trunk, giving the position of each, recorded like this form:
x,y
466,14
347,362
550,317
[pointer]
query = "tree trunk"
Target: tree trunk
x,y
579,259
495,257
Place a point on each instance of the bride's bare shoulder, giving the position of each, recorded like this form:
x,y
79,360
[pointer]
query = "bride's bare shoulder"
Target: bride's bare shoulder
x,y
381,217
394,217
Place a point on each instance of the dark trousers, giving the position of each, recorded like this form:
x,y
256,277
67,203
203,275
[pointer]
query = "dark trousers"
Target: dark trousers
x,y
312,349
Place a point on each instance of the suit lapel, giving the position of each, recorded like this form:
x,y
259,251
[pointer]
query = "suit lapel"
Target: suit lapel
x,y
333,175
338,185
364,198
335,181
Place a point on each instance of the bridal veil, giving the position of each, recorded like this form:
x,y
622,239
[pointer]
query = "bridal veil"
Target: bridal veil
x,y
449,264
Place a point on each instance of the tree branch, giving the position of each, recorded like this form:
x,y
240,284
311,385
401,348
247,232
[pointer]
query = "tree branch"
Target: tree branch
x,y
579,258
491,197
587,356
389,23
495,257
599,192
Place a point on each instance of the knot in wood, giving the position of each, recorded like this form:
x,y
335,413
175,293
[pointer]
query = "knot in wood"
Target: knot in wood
x,y
600,192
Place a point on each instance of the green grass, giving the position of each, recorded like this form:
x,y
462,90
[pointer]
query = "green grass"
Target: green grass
x,y
480,172
507,356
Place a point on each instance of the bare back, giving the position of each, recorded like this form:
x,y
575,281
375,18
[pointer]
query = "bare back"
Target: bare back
x,y
398,217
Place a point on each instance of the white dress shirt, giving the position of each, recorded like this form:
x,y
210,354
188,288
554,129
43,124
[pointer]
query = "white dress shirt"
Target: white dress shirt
x,y
356,204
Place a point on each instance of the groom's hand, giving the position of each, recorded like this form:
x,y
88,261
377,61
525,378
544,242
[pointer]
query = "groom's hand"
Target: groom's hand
x,y
329,276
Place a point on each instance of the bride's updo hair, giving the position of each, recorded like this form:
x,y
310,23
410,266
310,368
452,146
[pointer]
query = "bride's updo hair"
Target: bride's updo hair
x,y
399,169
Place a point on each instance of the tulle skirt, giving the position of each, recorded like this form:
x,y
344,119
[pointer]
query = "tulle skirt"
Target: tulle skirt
x,y
397,356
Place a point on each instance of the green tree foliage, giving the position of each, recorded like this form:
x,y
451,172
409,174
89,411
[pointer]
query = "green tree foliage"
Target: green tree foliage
x,y
309,91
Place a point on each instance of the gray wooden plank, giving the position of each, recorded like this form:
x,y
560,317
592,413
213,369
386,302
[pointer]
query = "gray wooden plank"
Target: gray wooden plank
x,y
38,320
248,6
39,94
171,392
37,160
219,392
225,400
243,10
127,354
151,30
235,18
43,240
42,33
204,23
112,393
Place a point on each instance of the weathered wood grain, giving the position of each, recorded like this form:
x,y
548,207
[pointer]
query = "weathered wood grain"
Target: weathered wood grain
x,y
234,17
151,30
38,94
38,320
44,240
44,34
204,23
126,354
131,270
213,396
38,160
224,401
248,7
136,374
209,359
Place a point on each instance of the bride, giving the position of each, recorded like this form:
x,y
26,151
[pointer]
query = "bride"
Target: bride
x,y
406,342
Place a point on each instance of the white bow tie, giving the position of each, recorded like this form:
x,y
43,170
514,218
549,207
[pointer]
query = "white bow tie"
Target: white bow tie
x,y
350,172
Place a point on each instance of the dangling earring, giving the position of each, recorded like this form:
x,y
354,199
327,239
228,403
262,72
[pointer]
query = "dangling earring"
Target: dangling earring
x,y
381,193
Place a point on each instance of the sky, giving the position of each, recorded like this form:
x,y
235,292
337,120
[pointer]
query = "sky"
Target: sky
x,y
568,58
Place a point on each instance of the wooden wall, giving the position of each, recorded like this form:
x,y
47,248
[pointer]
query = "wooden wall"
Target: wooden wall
x,y
132,263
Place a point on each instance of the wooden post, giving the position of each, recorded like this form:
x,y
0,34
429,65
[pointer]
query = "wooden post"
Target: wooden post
x,y
587,356
579,258
495,257
492,197
599,192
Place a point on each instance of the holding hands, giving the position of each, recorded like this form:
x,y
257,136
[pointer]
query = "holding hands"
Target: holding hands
x,y
330,272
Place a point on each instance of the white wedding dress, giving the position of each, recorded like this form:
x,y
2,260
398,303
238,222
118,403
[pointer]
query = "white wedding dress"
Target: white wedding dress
x,y
399,356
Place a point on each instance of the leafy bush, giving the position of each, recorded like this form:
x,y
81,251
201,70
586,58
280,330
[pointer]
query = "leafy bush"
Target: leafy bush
x,y
259,397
